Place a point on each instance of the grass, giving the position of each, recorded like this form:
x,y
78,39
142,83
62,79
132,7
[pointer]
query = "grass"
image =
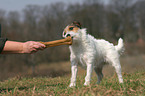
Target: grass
x,y
134,85
43,85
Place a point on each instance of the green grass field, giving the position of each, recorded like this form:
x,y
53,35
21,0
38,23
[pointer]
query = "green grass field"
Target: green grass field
x,y
134,85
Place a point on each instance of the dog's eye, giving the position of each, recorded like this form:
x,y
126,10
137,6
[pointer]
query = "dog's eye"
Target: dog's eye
x,y
71,28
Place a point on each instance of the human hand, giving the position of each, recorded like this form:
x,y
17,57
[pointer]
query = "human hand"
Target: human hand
x,y
32,47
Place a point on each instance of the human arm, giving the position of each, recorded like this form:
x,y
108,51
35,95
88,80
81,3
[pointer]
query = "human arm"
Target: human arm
x,y
20,47
30,46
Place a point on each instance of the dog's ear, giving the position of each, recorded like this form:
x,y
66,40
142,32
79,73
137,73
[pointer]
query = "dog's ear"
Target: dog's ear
x,y
77,24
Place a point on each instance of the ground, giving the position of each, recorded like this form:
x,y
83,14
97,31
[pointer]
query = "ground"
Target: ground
x,y
133,71
134,84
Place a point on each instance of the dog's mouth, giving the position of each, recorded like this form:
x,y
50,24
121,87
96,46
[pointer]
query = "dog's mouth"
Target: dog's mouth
x,y
69,34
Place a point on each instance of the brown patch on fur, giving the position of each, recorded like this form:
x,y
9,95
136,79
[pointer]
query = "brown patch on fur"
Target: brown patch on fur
x,y
71,28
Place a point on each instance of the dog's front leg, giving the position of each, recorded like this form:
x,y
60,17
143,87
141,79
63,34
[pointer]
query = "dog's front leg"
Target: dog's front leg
x,y
74,70
89,74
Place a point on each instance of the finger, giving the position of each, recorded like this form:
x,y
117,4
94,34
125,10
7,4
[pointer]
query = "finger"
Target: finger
x,y
39,44
33,51
38,47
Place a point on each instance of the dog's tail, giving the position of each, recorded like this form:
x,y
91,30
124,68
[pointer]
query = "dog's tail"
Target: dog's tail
x,y
120,47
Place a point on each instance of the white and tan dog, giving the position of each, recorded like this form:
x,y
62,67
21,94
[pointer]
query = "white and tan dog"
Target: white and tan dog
x,y
91,53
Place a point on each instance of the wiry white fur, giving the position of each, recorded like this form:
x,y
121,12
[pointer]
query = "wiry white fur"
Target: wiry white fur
x,y
91,54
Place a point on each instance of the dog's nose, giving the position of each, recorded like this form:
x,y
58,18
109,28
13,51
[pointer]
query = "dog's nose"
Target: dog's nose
x,y
67,35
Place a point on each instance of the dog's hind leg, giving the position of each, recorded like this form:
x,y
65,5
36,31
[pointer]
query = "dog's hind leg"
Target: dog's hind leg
x,y
99,74
116,64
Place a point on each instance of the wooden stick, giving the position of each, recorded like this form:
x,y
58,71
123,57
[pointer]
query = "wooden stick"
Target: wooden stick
x,y
66,41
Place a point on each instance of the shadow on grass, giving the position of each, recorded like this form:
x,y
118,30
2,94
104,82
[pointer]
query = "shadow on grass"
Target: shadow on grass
x,y
4,90
9,89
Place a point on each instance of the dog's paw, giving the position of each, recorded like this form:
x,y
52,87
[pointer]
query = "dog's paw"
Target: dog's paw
x,y
121,81
87,83
72,85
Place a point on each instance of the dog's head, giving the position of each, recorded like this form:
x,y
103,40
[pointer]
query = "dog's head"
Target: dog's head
x,y
72,30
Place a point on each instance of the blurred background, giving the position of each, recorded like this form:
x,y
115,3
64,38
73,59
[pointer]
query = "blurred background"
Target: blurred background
x,y
44,20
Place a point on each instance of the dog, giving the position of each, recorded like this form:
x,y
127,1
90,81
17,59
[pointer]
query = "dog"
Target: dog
x,y
91,53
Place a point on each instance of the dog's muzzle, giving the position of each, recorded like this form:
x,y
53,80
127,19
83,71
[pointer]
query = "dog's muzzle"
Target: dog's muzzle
x,y
67,35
